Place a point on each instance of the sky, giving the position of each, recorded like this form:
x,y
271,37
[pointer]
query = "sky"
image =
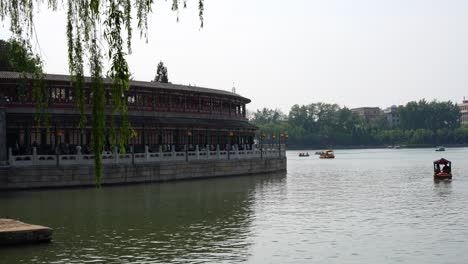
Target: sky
x,y
279,53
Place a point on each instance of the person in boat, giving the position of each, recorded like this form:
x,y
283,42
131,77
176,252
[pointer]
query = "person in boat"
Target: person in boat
x,y
437,170
446,169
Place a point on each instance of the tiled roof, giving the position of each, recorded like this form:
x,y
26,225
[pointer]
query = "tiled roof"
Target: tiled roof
x,y
58,77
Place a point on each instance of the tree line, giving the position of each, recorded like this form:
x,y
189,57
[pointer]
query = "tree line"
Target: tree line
x,y
320,125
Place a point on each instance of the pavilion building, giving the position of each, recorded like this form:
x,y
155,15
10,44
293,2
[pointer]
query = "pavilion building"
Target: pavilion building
x,y
165,116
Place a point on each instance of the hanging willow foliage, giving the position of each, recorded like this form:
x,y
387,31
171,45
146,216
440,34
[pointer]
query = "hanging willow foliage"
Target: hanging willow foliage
x,y
90,23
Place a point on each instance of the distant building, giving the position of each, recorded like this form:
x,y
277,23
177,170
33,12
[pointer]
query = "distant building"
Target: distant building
x,y
392,115
464,111
368,113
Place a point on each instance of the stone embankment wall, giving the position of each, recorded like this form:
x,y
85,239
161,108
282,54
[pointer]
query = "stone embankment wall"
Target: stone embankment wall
x,y
12,178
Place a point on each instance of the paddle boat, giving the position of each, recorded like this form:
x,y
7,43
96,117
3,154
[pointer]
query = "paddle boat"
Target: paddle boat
x,y
446,172
327,154
440,148
304,154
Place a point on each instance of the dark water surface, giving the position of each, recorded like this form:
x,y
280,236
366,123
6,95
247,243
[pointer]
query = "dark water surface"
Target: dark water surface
x,y
366,206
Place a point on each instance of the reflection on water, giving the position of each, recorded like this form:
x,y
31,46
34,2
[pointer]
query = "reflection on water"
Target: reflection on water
x,y
171,222
366,206
443,188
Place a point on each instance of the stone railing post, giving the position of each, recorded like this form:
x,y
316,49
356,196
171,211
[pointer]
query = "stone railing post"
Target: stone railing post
x,y
174,156
218,155
57,155
147,153
116,155
79,155
133,155
197,152
279,150
34,158
160,152
237,151
11,160
208,152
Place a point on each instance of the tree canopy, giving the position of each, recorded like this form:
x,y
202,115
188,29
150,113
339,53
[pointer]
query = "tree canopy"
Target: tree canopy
x,y
325,125
15,56
161,73
434,115
97,30
265,116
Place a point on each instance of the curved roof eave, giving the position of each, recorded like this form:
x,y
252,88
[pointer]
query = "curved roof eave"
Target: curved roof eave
x,y
154,85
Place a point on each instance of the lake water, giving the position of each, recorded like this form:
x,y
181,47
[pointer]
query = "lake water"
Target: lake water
x,y
365,206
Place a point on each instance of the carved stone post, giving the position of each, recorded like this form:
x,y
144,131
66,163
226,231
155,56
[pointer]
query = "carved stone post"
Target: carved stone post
x,y
133,155
160,152
79,155
34,158
146,153
116,155
10,157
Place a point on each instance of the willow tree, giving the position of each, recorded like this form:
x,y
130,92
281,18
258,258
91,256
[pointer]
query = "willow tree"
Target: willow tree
x,y
97,30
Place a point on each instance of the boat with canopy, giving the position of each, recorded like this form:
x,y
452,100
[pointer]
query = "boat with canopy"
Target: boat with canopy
x,y
446,172
327,154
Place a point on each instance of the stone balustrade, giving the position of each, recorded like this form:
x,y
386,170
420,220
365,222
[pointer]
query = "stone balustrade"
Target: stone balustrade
x,y
265,152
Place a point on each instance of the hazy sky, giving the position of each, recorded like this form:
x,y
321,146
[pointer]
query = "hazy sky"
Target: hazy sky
x,y
281,53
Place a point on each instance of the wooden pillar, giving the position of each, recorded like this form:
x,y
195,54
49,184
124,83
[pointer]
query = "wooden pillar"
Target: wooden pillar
x,y
211,105
169,99
3,145
199,103
143,136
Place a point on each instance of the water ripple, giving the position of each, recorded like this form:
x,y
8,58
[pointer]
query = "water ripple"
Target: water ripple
x,y
366,206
